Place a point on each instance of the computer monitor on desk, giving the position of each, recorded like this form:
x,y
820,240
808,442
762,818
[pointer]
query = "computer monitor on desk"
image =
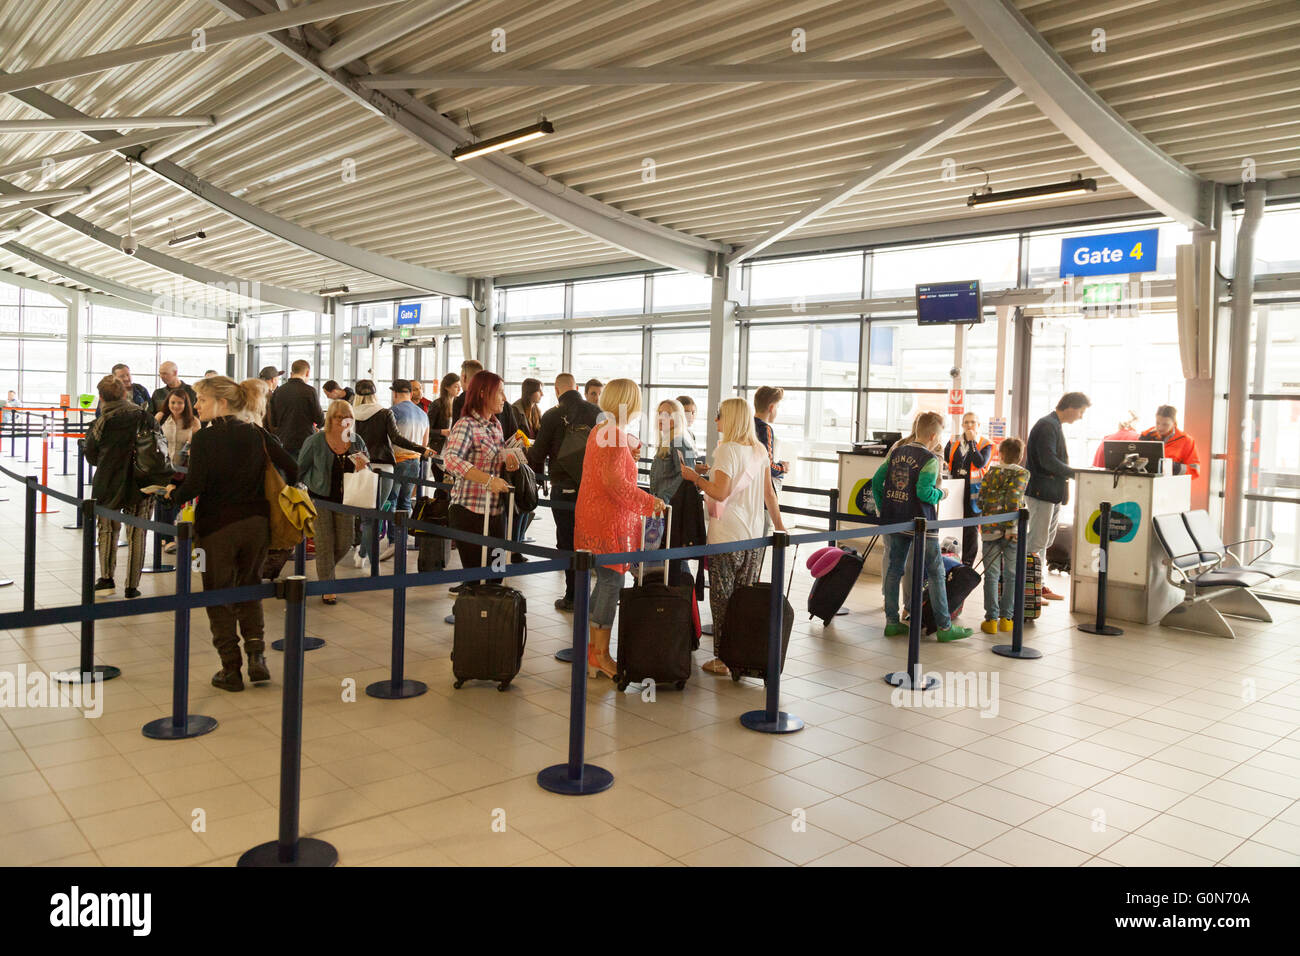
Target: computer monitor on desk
x,y
1152,451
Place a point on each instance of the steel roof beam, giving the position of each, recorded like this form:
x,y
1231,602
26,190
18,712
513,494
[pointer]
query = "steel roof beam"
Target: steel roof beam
x,y
104,146
525,185
368,37
211,36
84,123
1078,112
979,67
892,161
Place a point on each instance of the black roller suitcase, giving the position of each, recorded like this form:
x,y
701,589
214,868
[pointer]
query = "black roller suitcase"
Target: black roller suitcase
x,y
491,627
959,582
830,591
742,645
656,627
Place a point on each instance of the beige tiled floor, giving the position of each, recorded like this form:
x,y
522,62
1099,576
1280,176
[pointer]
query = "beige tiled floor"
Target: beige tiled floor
x,y
1144,749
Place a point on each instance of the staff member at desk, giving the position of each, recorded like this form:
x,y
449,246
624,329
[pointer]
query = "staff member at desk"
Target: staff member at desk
x,y
1178,444
969,459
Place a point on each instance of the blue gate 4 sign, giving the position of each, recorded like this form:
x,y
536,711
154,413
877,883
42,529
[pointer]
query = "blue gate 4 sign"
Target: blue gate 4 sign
x,y
1113,254
408,314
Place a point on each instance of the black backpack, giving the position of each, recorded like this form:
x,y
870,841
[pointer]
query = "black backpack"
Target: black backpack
x,y
567,462
525,486
150,462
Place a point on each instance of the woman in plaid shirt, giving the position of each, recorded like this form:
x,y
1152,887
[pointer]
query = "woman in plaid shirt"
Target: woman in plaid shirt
x,y
473,456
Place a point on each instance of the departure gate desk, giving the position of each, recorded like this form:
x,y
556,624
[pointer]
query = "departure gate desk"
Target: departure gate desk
x,y
856,470
1137,585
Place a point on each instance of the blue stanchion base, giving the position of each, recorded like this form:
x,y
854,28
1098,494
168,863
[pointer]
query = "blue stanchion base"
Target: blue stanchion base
x,y
159,569
5,582
98,672
449,619
784,723
164,728
308,644
66,527
707,629
1024,654
310,853
388,690
564,654
1108,629
904,680
557,780
842,612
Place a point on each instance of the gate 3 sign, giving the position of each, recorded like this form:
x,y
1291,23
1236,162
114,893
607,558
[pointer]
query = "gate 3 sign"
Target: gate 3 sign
x,y
1113,254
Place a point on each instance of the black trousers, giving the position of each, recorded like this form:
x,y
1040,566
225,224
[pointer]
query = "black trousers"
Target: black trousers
x,y
970,535
232,557
564,519
462,519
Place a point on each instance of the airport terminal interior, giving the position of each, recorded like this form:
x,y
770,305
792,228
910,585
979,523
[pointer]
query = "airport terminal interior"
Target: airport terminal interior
x,y
930,245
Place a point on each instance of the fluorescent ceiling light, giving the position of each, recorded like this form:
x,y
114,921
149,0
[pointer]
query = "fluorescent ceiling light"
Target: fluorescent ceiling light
x,y
185,240
470,150
1011,197
333,290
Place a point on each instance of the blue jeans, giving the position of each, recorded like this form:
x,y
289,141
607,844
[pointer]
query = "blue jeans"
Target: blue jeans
x,y
606,586
999,566
368,527
898,566
404,475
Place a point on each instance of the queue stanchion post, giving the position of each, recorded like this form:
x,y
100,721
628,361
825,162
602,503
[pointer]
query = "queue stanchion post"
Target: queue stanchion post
x,y
29,545
157,566
397,687
577,777
773,720
300,569
1100,626
90,671
181,724
290,849
1017,647
913,678
81,482
27,437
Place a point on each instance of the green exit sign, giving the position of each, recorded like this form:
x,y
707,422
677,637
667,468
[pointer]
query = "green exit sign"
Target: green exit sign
x,y
1103,293
407,331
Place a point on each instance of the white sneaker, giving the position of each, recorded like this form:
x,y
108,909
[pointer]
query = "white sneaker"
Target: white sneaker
x,y
387,553
357,559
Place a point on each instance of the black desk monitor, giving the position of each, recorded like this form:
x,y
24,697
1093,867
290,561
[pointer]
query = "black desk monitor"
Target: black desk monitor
x,y
887,438
1152,451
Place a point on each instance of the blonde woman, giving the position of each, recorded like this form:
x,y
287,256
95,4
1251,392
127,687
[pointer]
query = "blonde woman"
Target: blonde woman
x,y
232,518
741,481
609,510
675,448
325,457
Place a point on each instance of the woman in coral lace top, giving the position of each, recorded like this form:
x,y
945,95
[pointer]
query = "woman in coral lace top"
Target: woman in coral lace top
x,y
609,511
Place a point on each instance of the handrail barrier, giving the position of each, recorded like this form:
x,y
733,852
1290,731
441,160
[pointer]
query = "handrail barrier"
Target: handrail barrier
x,y
573,777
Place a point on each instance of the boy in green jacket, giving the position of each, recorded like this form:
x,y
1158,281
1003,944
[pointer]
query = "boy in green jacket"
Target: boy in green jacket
x,y
1002,490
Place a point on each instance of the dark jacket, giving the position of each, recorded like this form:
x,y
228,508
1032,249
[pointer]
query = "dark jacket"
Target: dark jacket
x,y
160,395
508,417
905,486
767,438
378,432
550,435
438,420
139,396
1048,461
110,447
292,411
227,471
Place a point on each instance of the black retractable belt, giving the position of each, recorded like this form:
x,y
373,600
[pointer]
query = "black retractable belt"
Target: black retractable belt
x,y
773,720
912,678
1100,626
90,671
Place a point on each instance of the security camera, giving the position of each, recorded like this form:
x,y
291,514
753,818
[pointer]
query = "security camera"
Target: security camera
x,y
954,371
129,244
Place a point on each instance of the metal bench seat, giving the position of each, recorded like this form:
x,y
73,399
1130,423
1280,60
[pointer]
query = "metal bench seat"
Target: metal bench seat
x,y
1210,591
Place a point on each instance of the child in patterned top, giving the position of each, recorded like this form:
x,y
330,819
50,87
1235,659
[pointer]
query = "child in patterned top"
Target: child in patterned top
x,y
1002,490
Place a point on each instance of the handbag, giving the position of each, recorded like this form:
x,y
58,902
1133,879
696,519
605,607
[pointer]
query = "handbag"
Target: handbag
x,y
360,488
284,534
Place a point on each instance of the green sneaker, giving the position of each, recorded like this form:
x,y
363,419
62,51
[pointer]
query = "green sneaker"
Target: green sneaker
x,y
955,634
895,629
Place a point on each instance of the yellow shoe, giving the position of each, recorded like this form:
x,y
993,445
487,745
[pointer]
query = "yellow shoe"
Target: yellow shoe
x,y
1006,624
989,627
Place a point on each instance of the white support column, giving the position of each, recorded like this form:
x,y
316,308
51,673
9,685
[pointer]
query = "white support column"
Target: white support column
x,y
77,307
1005,315
958,362
334,322
486,320
722,346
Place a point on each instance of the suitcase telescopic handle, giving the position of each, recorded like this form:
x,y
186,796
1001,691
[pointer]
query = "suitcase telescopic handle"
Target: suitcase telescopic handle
x,y
668,530
487,517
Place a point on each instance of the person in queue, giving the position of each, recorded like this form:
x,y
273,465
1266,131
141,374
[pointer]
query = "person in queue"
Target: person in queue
x,y
171,380
413,424
609,510
474,455
336,392
689,409
571,411
527,408
1125,432
293,411
741,479
440,419
179,423
468,369
1178,444
1048,462
591,391
110,447
675,447
906,486
1001,491
271,376
968,458
227,471
377,428
326,456
417,397
132,392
